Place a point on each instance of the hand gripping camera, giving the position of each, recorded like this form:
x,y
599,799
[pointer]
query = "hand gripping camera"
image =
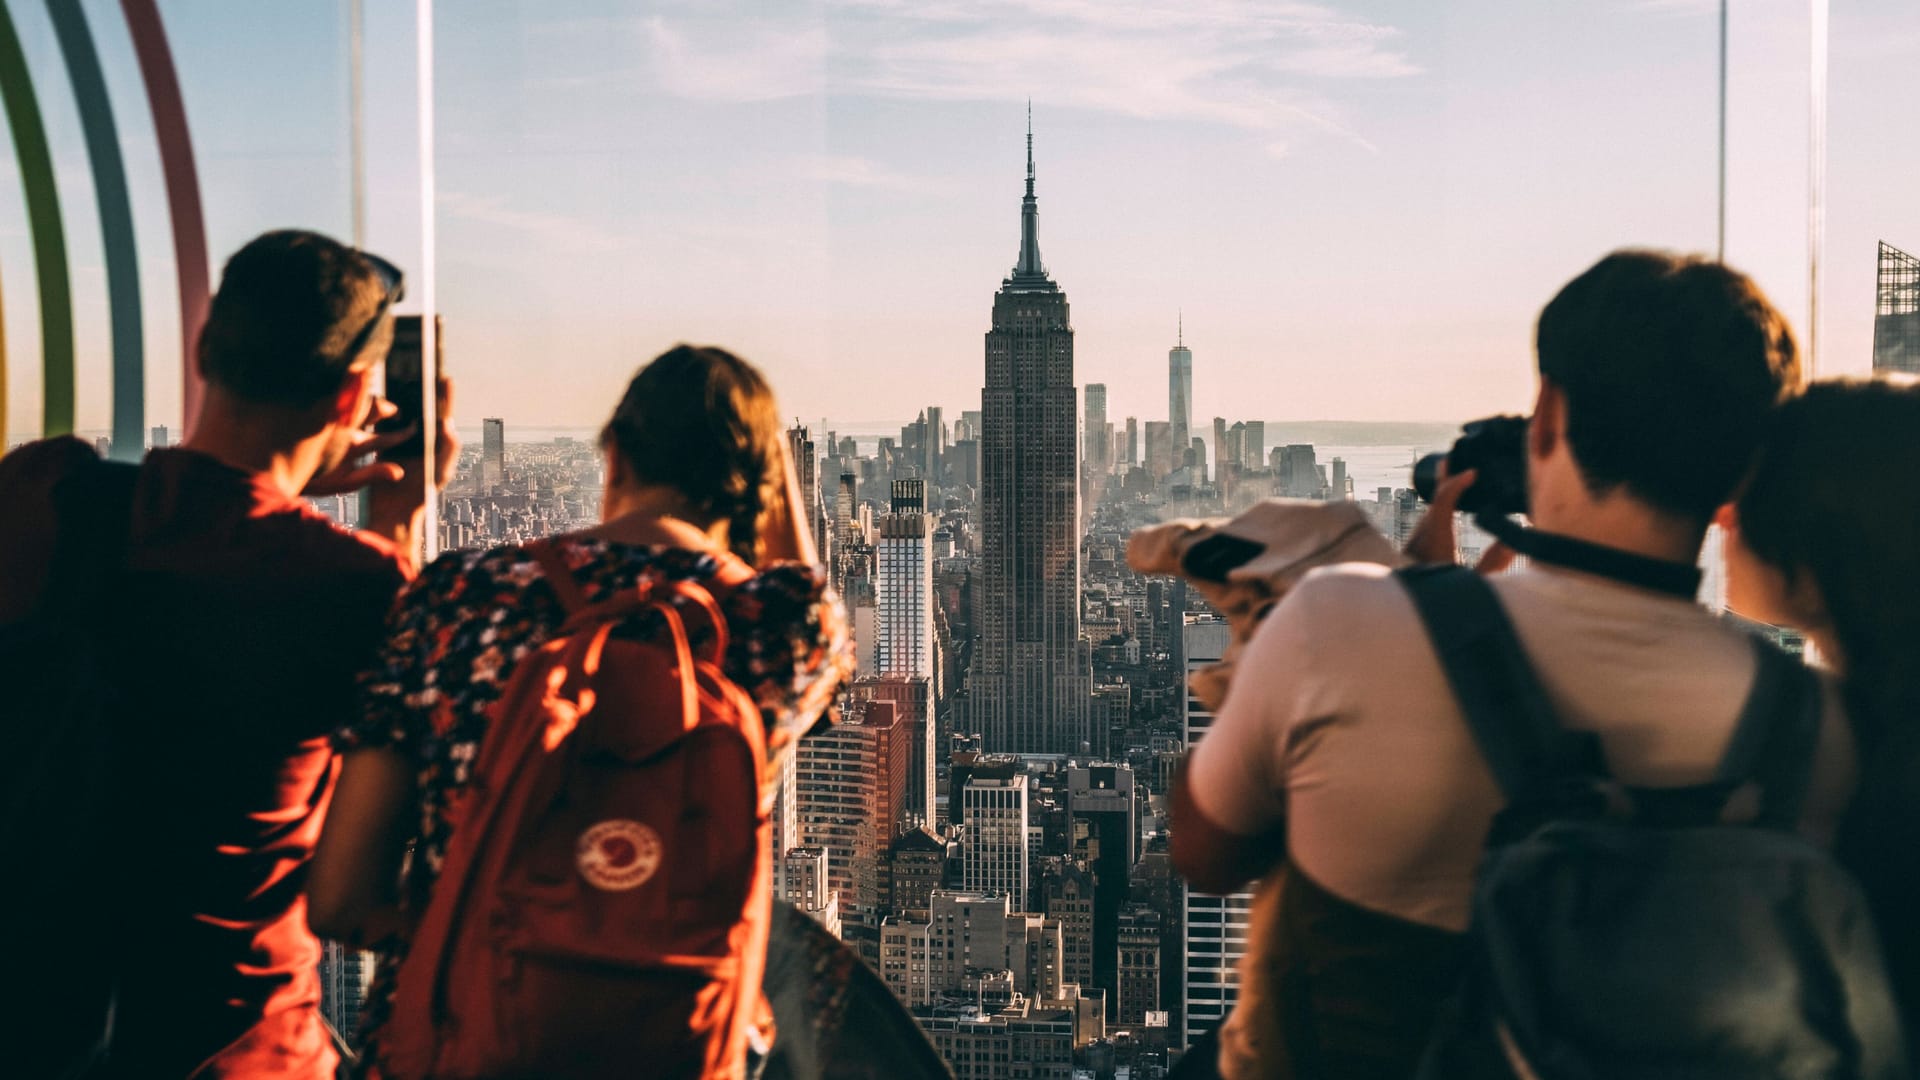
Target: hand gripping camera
x,y
1497,448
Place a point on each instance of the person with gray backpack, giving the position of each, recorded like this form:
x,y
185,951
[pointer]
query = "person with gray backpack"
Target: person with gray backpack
x,y
1562,821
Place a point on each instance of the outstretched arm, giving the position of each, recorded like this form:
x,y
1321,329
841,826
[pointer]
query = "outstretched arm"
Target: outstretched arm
x,y
353,883
1214,859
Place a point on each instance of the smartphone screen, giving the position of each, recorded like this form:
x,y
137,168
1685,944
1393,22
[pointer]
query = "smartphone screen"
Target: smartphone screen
x,y
405,387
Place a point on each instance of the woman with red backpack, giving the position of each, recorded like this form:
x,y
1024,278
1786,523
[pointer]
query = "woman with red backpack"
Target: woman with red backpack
x,y
554,811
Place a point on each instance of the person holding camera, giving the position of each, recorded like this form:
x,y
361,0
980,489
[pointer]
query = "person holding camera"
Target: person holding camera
x,y
178,639
1343,749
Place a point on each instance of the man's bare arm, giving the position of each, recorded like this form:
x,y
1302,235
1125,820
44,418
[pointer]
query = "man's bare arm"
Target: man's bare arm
x,y
1213,859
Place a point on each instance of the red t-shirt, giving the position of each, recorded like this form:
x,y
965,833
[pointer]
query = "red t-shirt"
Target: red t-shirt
x,y
242,622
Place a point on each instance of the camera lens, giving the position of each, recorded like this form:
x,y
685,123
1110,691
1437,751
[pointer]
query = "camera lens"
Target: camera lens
x,y
1426,475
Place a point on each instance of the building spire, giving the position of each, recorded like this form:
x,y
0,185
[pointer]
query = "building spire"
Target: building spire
x,y
1029,148
1180,329
1029,268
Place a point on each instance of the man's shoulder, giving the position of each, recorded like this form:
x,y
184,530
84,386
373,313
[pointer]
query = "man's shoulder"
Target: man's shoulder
x,y
1342,613
324,547
1350,591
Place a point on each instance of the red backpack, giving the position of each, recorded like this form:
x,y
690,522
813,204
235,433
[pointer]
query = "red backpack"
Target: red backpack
x,y
604,903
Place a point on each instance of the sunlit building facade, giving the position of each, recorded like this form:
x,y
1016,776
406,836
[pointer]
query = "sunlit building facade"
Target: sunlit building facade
x,y
1032,680
1216,926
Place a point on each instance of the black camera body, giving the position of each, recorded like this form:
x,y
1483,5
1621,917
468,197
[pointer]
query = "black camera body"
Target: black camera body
x,y
1496,448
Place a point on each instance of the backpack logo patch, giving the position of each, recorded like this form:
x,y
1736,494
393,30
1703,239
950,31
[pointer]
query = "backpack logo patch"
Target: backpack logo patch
x,y
617,855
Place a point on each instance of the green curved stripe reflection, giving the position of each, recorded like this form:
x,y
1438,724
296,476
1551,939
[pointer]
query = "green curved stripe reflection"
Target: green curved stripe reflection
x,y
43,217
116,226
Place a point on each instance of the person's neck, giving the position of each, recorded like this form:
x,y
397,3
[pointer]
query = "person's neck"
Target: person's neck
x,y
1625,524
657,515
238,437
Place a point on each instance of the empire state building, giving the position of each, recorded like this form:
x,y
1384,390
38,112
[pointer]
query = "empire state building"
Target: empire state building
x,y
1031,681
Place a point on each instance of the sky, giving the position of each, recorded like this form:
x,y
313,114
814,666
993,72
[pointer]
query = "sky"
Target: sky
x,y
1356,209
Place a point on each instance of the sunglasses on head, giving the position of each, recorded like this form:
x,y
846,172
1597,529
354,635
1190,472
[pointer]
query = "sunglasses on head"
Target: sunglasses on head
x,y
396,285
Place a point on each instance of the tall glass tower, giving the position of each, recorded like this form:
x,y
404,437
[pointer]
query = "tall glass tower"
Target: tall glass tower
x,y
1896,312
1031,683
1180,390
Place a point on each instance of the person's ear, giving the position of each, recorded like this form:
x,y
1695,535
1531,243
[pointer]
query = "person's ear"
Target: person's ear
x,y
1549,422
354,398
617,469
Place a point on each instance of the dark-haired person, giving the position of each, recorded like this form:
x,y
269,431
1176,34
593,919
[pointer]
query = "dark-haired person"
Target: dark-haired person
x,y
1340,748
697,478
1826,538
234,633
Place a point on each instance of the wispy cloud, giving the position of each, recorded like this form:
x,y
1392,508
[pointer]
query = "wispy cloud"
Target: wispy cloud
x,y
559,231
772,61
853,172
1269,68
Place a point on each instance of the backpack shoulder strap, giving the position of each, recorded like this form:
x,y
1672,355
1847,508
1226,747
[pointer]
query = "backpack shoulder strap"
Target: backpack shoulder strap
x,y
1774,742
1529,753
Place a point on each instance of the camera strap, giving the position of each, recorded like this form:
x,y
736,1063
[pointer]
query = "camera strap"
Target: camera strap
x,y
1673,578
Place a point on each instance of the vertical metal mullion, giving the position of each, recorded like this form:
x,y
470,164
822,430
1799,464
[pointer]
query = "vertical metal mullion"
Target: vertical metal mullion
x,y
429,328
1720,251
1816,174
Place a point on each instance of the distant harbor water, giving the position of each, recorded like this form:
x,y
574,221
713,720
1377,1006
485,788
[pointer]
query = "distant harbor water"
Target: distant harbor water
x,y
1369,467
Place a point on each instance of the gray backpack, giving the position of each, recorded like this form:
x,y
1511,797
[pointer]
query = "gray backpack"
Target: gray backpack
x,y
1630,932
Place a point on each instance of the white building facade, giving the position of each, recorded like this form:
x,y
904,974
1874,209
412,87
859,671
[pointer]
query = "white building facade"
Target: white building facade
x,y
1215,926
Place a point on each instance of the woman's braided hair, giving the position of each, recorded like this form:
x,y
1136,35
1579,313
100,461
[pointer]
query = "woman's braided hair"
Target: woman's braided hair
x,y
702,421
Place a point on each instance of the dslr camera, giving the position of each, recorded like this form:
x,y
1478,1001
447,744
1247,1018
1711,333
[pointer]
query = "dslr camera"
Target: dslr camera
x,y
1497,448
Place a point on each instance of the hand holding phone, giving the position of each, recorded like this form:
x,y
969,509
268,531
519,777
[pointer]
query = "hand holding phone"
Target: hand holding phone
x,y
405,386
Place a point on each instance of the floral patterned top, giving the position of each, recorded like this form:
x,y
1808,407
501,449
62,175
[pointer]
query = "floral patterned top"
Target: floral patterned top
x,y
457,632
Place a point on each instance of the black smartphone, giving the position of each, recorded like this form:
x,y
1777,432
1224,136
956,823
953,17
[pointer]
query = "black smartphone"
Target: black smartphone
x,y
1217,556
405,387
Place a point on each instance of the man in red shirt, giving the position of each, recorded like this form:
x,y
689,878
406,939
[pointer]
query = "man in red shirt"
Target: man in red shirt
x,y
233,637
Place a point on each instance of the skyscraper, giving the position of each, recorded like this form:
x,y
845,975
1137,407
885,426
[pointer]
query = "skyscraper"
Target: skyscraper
x,y
1133,442
994,851
851,796
1098,440
493,453
936,445
903,586
1215,926
913,699
1180,388
1105,826
786,820
1032,680
800,446
1160,449
1896,312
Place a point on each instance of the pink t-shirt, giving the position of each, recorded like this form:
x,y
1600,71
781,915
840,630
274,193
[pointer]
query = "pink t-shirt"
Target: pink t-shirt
x,y
1340,723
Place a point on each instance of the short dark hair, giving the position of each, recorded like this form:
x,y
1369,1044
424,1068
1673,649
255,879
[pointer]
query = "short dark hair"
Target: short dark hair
x,y
282,328
1671,366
